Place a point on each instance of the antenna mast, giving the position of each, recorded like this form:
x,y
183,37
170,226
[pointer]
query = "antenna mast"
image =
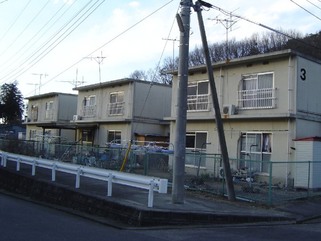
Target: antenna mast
x,y
99,60
40,77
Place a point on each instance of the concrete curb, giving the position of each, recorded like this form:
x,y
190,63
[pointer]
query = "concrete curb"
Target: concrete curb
x,y
114,213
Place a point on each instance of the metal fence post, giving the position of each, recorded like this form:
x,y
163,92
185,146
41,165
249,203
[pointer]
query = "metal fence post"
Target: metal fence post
x,y
151,194
270,184
33,170
53,172
309,173
18,164
110,185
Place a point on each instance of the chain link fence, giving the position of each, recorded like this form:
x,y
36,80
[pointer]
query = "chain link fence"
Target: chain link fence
x,y
204,172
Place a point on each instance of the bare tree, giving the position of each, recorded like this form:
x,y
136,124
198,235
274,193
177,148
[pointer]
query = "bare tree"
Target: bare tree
x,y
256,44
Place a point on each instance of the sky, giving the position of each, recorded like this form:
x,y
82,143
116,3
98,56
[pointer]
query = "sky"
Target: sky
x,y
51,45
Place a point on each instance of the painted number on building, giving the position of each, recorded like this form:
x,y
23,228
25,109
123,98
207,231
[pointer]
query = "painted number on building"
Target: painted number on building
x,y
303,74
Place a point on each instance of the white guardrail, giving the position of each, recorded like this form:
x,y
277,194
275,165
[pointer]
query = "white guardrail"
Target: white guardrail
x,y
138,181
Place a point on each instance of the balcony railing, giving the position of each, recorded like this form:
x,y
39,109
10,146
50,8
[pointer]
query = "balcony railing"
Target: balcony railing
x,y
49,115
116,108
256,99
197,102
89,111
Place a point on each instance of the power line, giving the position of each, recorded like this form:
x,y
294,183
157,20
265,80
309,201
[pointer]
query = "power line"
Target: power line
x,y
25,48
261,25
50,41
27,26
109,41
313,4
55,43
16,19
306,10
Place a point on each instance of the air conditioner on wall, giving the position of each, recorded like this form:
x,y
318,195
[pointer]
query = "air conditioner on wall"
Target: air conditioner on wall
x,y
76,117
229,110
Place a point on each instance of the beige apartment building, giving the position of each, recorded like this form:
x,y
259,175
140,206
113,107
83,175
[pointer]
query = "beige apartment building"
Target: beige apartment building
x,y
48,117
267,102
122,110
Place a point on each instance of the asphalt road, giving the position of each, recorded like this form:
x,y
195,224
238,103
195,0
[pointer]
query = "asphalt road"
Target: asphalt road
x,y
27,221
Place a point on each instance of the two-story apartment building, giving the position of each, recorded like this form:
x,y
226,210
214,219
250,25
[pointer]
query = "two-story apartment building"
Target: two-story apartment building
x,y
49,115
122,110
267,101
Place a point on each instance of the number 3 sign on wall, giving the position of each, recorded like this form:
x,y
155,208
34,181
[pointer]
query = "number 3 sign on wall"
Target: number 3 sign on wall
x,y
303,74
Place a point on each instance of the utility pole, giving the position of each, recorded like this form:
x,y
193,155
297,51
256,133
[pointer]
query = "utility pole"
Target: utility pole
x,y
40,77
183,20
226,162
99,60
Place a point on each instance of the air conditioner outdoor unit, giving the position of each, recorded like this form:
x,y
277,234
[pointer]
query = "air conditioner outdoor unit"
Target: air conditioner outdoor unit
x,y
229,110
76,117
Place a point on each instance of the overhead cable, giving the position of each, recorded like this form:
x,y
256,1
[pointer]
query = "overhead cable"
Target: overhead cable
x,y
306,10
108,42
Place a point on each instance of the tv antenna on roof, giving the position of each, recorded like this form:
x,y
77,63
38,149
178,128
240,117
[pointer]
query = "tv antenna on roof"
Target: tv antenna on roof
x,y
227,23
40,77
75,82
99,60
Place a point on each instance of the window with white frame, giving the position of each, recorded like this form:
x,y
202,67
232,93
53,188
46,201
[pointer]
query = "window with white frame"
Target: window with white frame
x,y
114,136
195,144
49,110
116,103
198,96
256,147
257,91
89,106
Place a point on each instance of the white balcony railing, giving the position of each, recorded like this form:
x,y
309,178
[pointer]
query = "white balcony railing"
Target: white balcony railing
x,y
256,99
49,115
197,102
89,111
116,108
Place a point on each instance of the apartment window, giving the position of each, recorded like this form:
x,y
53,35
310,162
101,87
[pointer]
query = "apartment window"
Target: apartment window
x,y
114,136
257,91
49,110
195,143
256,146
32,134
116,103
34,113
198,96
89,106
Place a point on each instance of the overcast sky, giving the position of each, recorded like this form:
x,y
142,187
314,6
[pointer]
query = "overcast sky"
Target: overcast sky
x,y
56,41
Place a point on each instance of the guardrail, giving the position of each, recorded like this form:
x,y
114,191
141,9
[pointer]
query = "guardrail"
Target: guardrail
x,y
128,179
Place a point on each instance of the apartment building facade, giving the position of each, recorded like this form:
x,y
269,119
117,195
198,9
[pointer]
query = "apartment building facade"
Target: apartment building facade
x,y
122,110
267,102
48,117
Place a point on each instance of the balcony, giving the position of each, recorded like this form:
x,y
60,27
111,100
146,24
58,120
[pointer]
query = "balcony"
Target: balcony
x,y
116,108
257,99
89,111
198,102
49,115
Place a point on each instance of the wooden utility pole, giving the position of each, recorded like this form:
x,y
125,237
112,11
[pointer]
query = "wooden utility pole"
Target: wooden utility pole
x,y
218,118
